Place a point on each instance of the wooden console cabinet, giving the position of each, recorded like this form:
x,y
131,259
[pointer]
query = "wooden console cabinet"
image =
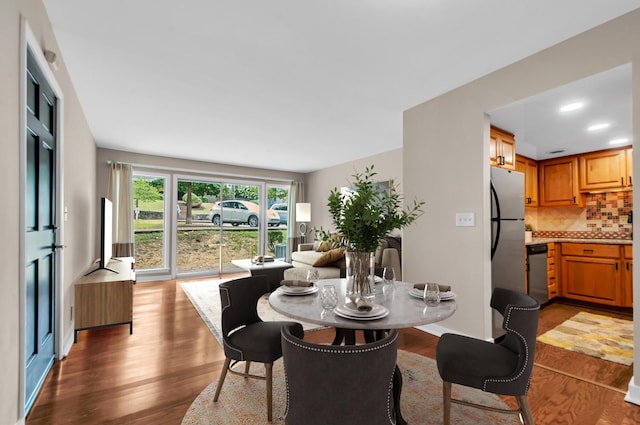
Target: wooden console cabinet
x,y
105,298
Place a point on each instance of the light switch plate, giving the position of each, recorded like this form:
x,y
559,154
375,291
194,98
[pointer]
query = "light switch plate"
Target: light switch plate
x,y
465,219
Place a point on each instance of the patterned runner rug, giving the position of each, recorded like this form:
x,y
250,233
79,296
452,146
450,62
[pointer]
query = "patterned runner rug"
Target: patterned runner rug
x,y
596,335
421,400
205,297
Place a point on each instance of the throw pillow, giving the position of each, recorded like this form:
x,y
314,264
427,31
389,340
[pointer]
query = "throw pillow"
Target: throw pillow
x,y
329,257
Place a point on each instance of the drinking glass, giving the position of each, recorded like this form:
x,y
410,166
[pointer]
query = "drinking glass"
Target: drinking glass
x,y
313,276
431,294
388,275
328,297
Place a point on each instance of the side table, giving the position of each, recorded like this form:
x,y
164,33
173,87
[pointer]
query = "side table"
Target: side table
x,y
273,270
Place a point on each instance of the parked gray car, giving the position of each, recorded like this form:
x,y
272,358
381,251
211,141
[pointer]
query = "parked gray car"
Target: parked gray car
x,y
283,211
240,212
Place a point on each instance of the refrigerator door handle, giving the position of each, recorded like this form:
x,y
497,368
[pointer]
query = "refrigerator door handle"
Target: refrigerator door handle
x,y
495,219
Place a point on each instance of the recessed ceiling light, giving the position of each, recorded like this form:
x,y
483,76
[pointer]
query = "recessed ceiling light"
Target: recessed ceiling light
x,y
598,126
571,107
618,141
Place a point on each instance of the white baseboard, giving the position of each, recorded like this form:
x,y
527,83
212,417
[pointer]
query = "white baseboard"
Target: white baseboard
x,y
436,330
633,395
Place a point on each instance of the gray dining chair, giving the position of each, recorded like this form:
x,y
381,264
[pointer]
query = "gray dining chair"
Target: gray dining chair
x,y
503,367
339,384
245,337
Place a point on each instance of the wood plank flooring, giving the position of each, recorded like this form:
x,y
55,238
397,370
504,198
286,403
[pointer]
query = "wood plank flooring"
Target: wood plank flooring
x,y
153,376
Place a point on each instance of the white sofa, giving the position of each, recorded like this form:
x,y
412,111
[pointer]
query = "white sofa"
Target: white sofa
x,y
306,255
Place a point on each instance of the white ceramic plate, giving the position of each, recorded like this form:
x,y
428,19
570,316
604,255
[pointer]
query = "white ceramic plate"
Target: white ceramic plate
x,y
295,290
347,315
444,296
350,310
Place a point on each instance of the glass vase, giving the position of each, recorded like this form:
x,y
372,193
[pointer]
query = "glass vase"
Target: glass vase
x,y
360,275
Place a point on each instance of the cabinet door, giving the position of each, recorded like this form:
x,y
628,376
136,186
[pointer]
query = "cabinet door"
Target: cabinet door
x,y
502,149
558,182
629,162
627,276
603,170
530,169
595,280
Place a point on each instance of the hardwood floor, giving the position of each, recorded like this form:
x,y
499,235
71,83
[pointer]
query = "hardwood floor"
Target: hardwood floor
x,y
152,376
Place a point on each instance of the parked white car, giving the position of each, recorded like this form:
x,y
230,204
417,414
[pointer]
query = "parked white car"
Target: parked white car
x,y
240,212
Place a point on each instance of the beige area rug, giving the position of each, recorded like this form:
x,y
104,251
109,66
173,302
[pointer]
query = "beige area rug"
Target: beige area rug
x,y
596,335
205,297
242,401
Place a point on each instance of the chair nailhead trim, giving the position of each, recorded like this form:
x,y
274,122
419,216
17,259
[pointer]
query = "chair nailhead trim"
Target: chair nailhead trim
x,y
362,349
526,347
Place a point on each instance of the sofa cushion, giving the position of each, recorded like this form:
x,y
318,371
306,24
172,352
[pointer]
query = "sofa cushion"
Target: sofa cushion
x,y
329,258
305,257
300,273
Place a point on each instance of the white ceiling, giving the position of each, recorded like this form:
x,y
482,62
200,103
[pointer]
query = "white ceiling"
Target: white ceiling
x,y
288,84
543,132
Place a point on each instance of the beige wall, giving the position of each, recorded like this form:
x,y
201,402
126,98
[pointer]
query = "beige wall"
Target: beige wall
x,y
319,184
78,188
446,152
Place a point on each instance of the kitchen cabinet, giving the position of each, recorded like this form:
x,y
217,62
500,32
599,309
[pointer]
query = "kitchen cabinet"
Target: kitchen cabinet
x,y
592,272
627,276
558,179
502,149
529,167
605,170
551,270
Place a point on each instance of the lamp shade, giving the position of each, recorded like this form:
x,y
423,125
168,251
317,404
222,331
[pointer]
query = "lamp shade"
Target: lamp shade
x,y
303,212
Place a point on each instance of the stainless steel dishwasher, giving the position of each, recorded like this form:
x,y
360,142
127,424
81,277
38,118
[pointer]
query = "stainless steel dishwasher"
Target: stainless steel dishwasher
x,y
537,259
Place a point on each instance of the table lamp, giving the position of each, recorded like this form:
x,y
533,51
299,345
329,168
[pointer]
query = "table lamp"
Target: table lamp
x,y
303,216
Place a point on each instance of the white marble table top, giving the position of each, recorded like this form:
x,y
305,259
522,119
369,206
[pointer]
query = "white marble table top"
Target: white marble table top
x,y
404,310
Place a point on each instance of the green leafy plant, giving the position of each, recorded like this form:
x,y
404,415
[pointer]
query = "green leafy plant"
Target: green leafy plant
x,y
528,227
367,213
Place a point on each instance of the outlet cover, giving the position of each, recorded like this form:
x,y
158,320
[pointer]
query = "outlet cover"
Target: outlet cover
x,y
465,220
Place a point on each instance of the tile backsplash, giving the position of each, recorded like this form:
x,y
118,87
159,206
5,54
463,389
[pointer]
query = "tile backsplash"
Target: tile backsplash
x,y
604,216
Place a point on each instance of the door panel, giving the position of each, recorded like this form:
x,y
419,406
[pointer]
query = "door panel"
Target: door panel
x,y
40,227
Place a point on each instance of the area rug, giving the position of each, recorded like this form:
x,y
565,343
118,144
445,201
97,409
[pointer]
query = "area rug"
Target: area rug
x,y
205,297
596,335
242,401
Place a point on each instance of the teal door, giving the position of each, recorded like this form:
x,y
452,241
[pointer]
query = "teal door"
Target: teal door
x,y
40,228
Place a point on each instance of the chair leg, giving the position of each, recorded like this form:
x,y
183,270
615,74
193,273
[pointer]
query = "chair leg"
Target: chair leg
x,y
446,402
246,368
268,367
223,374
527,416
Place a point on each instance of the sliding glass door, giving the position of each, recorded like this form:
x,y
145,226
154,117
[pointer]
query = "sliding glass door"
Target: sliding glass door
x,y
150,221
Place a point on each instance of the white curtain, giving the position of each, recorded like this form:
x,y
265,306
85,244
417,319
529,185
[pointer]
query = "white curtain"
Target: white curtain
x,y
120,193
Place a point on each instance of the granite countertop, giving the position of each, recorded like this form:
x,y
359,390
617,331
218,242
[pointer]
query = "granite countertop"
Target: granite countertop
x,y
576,240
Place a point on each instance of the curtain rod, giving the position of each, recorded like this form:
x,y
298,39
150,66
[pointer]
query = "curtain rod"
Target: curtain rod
x,y
209,173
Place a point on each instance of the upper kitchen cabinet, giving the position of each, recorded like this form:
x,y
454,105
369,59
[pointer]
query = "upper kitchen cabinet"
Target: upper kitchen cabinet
x,y
502,149
529,167
606,170
559,182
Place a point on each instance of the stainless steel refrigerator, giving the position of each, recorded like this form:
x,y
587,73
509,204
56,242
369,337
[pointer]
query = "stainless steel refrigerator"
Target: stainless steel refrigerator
x,y
507,234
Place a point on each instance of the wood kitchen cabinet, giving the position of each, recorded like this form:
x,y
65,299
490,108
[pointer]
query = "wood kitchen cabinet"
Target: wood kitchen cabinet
x,y
606,170
559,182
529,167
592,272
551,270
627,276
502,149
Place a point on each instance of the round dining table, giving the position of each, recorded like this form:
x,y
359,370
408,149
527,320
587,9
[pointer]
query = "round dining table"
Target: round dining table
x,y
404,311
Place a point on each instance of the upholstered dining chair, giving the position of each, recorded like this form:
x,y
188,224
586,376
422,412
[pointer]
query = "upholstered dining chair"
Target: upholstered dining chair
x,y
339,384
246,338
503,367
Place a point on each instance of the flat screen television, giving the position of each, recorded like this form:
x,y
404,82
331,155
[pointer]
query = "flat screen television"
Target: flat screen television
x,y
106,229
